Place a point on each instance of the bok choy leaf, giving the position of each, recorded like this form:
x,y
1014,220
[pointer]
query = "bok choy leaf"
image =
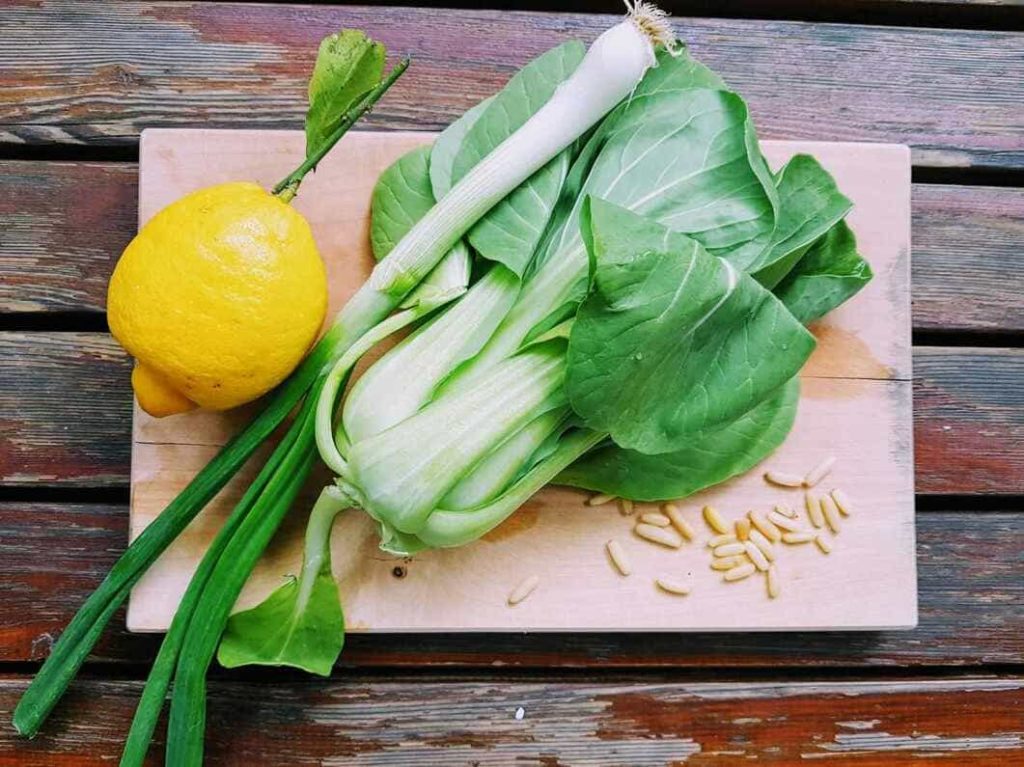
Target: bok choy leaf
x,y
829,274
809,205
672,341
713,455
301,623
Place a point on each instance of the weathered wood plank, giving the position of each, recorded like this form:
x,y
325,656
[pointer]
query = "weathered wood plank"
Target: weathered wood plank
x,y
415,722
99,72
65,409
971,592
66,223
63,224
65,414
968,258
969,420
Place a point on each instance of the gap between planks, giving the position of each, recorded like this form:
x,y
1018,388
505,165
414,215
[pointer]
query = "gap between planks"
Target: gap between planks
x,y
996,15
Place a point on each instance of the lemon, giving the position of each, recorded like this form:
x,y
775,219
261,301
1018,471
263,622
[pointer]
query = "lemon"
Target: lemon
x,y
218,298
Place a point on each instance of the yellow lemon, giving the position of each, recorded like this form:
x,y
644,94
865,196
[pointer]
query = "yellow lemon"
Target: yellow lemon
x,y
218,298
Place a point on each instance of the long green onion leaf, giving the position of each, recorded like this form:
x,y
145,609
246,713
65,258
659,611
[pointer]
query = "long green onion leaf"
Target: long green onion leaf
x,y
188,700
154,693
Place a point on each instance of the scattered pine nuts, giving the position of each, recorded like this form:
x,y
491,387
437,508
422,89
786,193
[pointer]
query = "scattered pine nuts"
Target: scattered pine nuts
x,y
523,590
782,479
600,499
800,537
675,516
726,563
626,507
740,572
813,506
773,582
830,511
760,561
672,586
766,528
618,557
842,502
729,549
786,511
742,528
721,540
663,536
656,519
819,472
821,543
787,524
714,520
763,544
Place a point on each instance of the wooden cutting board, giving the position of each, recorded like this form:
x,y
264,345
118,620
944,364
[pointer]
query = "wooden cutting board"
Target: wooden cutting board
x,y
855,405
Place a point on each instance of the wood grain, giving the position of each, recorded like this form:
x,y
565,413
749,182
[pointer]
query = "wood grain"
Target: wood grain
x,y
65,409
971,591
97,73
427,721
968,258
65,415
992,403
857,383
65,224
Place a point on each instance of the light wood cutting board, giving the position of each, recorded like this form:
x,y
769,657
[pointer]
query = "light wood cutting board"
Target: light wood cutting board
x,y
855,405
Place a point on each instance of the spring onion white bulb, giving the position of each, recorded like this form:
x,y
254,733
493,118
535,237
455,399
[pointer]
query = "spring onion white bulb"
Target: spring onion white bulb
x,y
609,72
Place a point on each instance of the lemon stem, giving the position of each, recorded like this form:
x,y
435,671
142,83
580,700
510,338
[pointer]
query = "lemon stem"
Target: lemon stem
x,y
288,187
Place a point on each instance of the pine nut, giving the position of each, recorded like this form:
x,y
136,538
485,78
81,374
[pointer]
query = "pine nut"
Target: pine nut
x,y
742,528
785,523
782,479
656,519
766,528
759,559
842,502
821,543
786,511
773,582
813,509
672,586
626,507
819,472
714,520
663,536
618,557
721,540
740,572
726,563
830,511
523,590
801,537
600,499
729,549
763,544
675,516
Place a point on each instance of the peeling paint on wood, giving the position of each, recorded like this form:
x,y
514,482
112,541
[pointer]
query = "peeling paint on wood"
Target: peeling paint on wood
x,y
423,720
63,225
952,94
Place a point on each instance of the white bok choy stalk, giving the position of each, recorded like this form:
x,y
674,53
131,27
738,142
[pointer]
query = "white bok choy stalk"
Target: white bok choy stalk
x,y
394,437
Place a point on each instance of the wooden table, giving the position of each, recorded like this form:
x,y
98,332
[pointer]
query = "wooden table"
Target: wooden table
x,y
79,80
